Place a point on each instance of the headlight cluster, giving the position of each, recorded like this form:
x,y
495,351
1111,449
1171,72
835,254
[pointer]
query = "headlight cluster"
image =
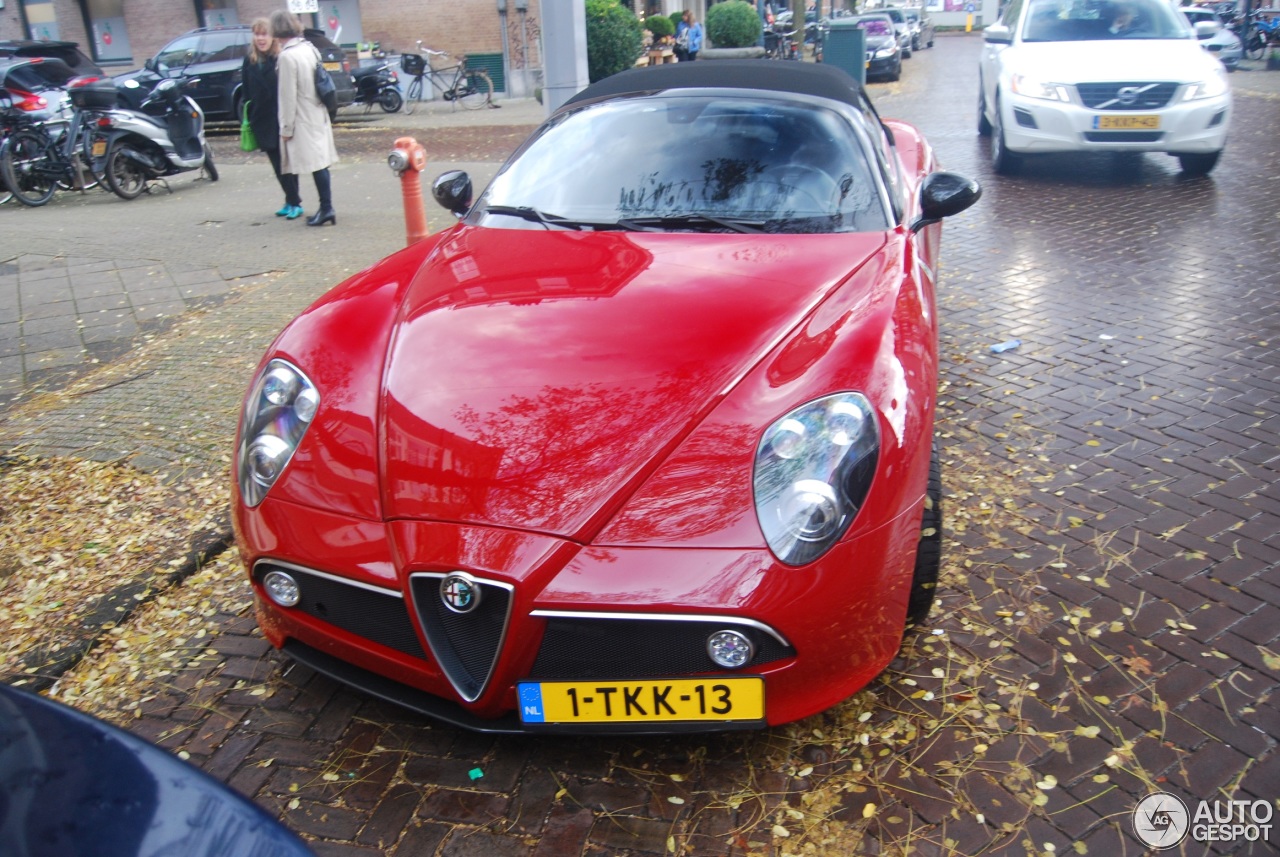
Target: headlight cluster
x,y
1034,88
281,405
1211,88
813,470
886,52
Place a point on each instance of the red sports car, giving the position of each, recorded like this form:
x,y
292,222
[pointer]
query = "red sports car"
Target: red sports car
x,y
642,443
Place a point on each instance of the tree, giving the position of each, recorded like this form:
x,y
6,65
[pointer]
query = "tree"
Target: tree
x,y
614,39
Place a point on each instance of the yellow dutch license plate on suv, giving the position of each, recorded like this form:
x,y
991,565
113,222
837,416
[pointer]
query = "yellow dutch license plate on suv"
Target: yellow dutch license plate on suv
x,y
643,701
333,66
1127,123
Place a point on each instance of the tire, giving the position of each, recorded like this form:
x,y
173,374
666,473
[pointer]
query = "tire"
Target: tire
x,y
209,167
1006,163
125,177
1198,164
23,168
924,580
413,95
1255,46
390,101
984,124
475,90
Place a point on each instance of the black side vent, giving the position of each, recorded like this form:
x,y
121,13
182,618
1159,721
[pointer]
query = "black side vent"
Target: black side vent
x,y
589,648
466,645
379,616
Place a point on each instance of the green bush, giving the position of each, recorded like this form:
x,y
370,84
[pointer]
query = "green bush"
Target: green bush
x,y
614,39
676,18
733,24
660,26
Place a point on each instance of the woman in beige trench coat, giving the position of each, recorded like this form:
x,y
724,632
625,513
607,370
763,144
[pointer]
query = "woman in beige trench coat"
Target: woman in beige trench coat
x,y
306,137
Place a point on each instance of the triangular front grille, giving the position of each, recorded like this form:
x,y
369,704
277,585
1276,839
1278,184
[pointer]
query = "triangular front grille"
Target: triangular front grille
x,y
466,645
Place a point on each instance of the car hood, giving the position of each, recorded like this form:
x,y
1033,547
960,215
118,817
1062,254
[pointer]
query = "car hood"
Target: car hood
x,y
1105,61
535,378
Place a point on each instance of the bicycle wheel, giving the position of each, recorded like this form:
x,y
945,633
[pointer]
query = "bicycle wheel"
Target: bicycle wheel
x,y
24,167
413,95
475,90
1255,44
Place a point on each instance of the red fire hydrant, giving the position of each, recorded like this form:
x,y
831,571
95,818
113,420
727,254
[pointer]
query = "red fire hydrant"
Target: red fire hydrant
x,y
408,159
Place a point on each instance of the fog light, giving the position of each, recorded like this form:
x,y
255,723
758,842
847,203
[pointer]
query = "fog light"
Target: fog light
x,y
730,649
282,588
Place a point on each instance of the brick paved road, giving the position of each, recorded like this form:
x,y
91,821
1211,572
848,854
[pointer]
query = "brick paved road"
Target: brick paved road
x,y
1107,624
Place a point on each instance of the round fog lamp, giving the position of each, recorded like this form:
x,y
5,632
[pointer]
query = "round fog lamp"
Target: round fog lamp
x,y
282,588
730,649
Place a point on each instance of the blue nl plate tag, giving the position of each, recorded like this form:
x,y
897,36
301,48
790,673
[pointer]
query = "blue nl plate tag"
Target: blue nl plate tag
x,y
531,710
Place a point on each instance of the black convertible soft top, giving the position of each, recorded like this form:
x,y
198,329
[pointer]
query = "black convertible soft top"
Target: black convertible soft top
x,y
817,79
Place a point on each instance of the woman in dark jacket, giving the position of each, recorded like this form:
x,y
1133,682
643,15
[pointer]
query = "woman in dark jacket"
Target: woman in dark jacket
x,y
262,95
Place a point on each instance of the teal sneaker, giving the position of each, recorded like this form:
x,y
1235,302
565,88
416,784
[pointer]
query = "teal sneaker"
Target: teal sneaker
x,y
294,212
284,212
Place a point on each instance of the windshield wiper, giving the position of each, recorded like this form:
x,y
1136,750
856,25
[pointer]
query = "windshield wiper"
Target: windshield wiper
x,y
692,220
533,215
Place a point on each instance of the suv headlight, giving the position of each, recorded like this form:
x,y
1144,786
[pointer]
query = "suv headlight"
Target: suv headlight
x,y
813,470
1031,87
280,407
1212,88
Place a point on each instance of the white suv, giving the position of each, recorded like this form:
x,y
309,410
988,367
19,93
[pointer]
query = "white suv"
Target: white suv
x,y
1100,75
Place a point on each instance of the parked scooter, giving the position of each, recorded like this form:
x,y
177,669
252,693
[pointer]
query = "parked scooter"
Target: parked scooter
x,y
376,84
163,138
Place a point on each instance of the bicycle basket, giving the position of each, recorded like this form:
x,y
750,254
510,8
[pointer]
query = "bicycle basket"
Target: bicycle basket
x,y
413,64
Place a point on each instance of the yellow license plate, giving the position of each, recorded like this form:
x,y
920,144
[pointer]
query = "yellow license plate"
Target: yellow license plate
x,y
647,701
1126,123
333,66
99,148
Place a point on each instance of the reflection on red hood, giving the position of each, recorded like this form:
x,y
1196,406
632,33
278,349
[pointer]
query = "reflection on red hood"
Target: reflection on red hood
x,y
535,377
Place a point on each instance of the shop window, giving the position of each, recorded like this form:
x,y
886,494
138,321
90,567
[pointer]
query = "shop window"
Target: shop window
x,y
42,21
109,34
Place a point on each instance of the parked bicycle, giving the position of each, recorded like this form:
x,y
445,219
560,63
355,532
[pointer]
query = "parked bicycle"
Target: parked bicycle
x,y
470,87
1261,31
38,158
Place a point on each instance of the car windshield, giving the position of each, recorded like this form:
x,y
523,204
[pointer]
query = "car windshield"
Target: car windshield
x,y
1088,20
876,26
682,162
39,75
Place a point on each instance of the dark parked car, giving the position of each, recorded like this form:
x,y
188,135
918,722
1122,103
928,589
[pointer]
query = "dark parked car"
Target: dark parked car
x,y
71,784
884,48
68,52
209,60
34,87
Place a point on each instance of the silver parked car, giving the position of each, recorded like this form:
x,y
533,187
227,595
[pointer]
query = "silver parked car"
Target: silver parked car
x,y
921,25
900,26
1215,38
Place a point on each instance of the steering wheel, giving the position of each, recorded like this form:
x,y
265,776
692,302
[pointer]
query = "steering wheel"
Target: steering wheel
x,y
818,183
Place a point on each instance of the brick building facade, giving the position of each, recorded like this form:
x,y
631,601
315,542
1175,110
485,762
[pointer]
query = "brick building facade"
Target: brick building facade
x,y
122,34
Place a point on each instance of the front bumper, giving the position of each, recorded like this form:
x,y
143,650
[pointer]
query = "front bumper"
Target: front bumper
x,y
1034,125
369,614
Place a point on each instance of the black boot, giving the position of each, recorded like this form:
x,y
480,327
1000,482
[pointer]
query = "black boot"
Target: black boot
x,y
326,213
323,216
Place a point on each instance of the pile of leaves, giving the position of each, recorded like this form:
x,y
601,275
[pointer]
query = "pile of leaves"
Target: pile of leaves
x,y
82,543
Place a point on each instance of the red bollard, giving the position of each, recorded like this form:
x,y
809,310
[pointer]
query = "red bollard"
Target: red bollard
x,y
409,159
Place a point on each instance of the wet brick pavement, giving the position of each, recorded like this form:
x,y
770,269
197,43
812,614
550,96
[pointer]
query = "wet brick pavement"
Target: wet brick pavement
x,y
1110,605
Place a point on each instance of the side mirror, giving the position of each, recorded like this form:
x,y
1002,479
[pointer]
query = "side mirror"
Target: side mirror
x,y
943,194
1205,29
998,33
150,64
452,190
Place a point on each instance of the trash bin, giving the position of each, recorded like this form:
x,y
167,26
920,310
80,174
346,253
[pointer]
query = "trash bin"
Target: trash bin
x,y
846,48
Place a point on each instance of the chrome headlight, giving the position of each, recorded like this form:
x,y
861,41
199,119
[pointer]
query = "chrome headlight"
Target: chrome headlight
x,y
1031,87
280,407
1215,86
813,470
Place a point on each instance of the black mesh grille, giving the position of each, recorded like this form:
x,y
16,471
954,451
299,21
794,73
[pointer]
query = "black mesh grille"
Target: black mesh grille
x,y
625,648
1123,136
378,617
464,644
1126,96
